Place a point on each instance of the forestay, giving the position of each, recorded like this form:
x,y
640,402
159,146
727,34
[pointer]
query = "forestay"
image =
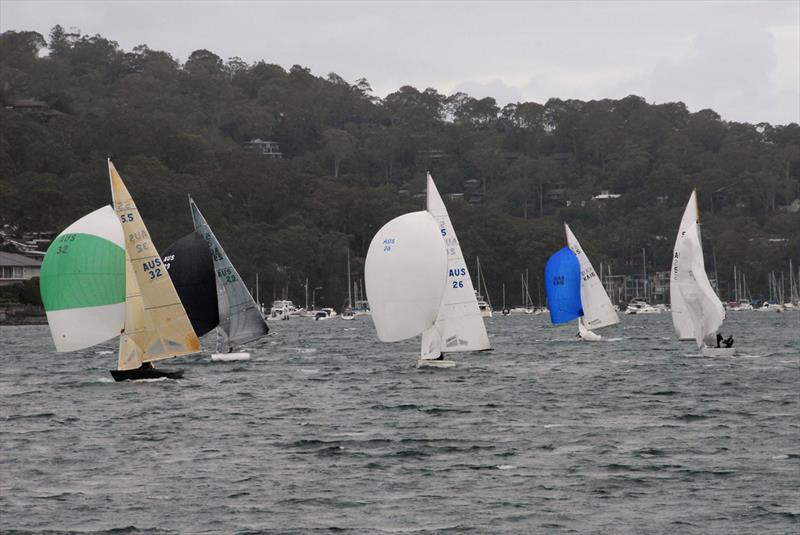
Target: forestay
x,y
82,282
459,325
405,274
681,320
239,315
562,276
703,307
156,325
598,311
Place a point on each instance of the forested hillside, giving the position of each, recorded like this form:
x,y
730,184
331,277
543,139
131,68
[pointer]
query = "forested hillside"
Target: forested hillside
x,y
352,161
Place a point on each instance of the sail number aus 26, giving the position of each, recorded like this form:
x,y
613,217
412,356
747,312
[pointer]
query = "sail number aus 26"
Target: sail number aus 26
x,y
457,272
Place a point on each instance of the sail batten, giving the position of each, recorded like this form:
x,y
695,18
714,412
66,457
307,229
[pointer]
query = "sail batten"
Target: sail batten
x,y
238,314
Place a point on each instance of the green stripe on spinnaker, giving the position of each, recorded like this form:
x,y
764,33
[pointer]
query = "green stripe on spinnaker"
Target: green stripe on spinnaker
x,y
82,270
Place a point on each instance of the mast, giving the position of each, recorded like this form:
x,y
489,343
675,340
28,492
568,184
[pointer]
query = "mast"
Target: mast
x,y
349,283
258,299
644,275
478,261
735,285
504,296
306,294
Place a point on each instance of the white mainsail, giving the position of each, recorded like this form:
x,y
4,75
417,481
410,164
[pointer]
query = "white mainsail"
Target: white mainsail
x,y
239,315
702,305
405,274
681,319
598,311
459,325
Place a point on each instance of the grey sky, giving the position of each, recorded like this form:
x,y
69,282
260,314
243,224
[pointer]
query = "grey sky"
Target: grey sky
x,y
741,59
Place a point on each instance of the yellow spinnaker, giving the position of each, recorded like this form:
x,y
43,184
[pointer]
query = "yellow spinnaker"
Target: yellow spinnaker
x,y
156,324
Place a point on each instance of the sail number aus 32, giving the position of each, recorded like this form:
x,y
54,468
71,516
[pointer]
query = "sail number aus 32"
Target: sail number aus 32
x,y
153,268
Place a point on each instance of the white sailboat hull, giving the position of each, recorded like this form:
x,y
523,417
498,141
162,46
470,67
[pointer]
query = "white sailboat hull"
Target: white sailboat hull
x,y
431,363
719,351
230,357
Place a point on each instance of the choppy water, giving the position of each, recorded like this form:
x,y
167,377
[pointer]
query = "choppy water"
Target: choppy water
x,y
327,430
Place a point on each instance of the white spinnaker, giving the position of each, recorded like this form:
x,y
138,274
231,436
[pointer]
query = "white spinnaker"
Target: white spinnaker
x,y
78,328
598,311
459,322
405,274
703,307
681,319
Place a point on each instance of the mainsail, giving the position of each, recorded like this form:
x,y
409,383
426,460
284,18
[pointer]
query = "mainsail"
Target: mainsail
x,y
459,325
83,282
405,274
156,325
598,311
191,269
681,320
562,278
239,315
702,305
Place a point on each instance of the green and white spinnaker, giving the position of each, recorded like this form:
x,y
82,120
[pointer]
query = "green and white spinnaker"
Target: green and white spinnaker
x,y
82,282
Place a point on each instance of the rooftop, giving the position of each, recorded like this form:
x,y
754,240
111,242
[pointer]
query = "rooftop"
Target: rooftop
x,y
11,259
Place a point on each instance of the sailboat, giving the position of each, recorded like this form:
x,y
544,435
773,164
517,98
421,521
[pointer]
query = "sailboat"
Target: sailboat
x,y
240,320
103,277
598,312
417,283
347,312
697,312
485,306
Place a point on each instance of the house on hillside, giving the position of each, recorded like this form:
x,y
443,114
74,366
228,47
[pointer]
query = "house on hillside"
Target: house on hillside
x,y
605,195
17,268
264,148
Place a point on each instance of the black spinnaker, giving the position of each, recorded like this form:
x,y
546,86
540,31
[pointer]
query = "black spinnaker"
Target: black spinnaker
x,y
191,269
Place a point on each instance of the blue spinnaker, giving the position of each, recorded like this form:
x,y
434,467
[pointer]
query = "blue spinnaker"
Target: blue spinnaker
x,y
562,280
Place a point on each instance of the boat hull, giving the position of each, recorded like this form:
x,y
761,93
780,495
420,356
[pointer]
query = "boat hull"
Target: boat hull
x,y
229,357
146,373
718,351
434,363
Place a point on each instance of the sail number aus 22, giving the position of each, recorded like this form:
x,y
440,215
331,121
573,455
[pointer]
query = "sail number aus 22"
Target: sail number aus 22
x,y
387,244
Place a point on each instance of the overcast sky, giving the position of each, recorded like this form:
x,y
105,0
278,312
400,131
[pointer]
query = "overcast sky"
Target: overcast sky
x,y
741,59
